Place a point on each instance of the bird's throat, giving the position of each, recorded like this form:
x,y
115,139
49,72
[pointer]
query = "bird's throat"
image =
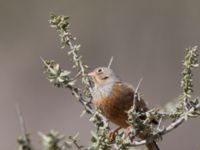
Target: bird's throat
x,y
102,91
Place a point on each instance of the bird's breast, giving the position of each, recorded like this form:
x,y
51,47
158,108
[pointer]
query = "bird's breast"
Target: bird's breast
x,y
115,104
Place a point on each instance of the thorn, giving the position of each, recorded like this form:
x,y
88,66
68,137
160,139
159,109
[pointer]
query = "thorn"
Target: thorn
x,y
43,61
42,58
138,86
21,121
110,62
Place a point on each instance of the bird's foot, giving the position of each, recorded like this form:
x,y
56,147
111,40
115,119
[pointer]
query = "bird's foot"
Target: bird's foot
x,y
127,132
112,134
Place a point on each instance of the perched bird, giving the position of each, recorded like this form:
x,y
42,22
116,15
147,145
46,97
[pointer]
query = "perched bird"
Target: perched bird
x,y
114,98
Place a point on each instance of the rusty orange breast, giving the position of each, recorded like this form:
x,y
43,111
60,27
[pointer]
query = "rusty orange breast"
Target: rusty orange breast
x,y
115,105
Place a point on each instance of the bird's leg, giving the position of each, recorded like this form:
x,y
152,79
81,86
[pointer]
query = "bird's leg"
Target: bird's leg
x,y
127,131
111,134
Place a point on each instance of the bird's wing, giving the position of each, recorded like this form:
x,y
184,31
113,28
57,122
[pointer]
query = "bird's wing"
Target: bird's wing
x,y
127,96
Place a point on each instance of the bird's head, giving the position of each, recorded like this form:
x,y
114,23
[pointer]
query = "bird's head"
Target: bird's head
x,y
102,76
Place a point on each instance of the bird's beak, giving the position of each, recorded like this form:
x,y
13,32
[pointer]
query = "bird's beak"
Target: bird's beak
x,y
91,74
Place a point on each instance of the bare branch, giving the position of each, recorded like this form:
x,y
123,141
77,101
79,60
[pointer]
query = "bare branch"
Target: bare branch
x,y
166,130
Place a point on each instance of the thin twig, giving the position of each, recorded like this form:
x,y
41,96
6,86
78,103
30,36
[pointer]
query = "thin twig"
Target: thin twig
x,y
166,130
136,94
75,142
21,121
159,125
138,86
110,62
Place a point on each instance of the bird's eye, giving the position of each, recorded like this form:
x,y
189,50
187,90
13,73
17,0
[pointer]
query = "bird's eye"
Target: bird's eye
x,y
106,77
99,70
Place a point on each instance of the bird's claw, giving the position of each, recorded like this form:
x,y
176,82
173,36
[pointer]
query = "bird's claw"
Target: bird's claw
x,y
112,134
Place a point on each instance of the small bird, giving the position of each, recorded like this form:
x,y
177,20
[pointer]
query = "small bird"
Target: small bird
x,y
114,98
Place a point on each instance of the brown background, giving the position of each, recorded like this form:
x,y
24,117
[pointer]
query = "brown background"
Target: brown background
x,y
146,38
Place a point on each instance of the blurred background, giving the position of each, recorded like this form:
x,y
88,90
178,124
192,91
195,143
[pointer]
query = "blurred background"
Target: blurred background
x,y
146,38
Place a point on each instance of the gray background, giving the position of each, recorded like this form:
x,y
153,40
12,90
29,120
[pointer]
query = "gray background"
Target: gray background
x,y
146,38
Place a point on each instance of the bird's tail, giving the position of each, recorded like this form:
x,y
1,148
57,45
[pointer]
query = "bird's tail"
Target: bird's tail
x,y
152,146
